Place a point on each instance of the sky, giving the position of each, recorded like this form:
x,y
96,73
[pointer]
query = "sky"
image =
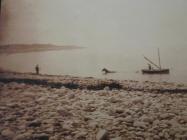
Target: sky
x,y
95,23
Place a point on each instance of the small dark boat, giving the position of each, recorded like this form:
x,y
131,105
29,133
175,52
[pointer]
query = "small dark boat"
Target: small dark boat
x,y
106,71
155,71
158,70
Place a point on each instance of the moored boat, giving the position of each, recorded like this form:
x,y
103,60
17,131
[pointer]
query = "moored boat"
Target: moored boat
x,y
158,70
155,71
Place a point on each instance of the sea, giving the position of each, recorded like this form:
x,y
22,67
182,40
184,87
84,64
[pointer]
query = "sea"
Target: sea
x,y
115,35
89,62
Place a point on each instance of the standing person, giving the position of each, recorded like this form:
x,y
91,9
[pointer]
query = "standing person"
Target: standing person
x,y
37,69
149,66
0,6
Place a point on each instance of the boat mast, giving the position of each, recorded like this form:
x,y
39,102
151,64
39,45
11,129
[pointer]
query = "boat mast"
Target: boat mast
x,y
159,58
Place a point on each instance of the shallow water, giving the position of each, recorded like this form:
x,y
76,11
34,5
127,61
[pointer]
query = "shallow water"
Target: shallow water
x,y
88,62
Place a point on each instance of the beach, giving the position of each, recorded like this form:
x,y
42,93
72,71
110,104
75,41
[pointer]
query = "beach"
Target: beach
x,y
93,70
49,107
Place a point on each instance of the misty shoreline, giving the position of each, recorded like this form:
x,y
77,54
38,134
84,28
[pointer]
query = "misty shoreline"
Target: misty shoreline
x,y
90,83
25,48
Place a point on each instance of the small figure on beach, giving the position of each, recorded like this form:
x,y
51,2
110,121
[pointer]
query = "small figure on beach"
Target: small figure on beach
x,y
149,66
37,69
106,71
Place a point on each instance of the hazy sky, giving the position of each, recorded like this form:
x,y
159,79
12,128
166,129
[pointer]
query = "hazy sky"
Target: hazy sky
x,y
95,22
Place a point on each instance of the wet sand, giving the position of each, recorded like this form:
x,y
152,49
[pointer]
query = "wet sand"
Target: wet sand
x,y
23,48
46,107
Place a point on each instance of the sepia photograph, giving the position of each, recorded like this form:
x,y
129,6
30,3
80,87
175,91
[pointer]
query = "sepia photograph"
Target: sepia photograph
x,y
93,69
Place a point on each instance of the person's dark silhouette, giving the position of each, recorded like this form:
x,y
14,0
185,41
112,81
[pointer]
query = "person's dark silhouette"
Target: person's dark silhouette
x,y
149,66
37,69
0,6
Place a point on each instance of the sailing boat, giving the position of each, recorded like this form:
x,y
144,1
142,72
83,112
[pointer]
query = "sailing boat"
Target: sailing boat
x,y
158,70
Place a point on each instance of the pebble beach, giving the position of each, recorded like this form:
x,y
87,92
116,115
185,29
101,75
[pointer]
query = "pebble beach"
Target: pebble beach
x,y
46,107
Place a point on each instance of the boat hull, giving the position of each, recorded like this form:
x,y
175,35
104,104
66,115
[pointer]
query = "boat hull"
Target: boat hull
x,y
159,71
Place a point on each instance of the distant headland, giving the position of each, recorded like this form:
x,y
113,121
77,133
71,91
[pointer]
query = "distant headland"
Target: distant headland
x,y
24,48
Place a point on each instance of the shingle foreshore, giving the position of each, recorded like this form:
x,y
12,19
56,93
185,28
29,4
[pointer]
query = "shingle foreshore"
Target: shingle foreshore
x,y
45,107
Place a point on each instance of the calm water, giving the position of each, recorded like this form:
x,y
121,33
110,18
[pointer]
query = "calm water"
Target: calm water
x,y
127,61
115,34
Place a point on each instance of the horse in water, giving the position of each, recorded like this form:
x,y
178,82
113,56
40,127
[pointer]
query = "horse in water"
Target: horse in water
x,y
106,71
